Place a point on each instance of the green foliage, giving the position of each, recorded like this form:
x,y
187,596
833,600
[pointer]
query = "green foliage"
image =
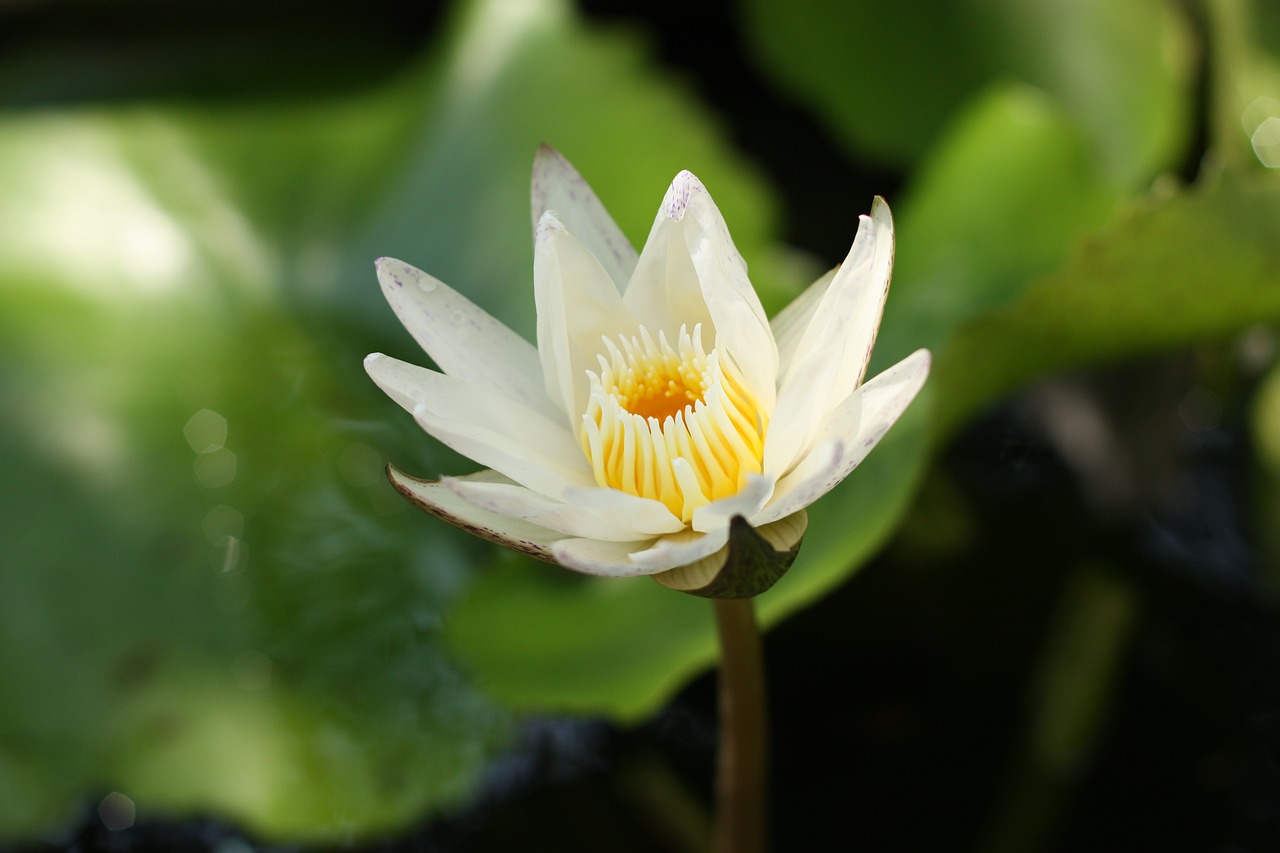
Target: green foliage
x,y
1178,265
890,78
212,600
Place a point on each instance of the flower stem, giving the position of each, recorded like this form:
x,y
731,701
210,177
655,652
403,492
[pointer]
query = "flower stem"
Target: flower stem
x,y
740,774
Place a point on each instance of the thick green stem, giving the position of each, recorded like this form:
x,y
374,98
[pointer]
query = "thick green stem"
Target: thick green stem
x,y
740,775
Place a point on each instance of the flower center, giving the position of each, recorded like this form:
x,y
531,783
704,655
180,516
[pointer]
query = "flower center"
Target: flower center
x,y
674,424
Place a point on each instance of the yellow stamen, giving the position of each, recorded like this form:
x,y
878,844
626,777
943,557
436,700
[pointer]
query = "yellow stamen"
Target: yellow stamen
x,y
674,424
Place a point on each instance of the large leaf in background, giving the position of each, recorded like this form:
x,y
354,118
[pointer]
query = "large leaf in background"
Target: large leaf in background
x,y
179,484
212,600
1000,199
890,77
1175,267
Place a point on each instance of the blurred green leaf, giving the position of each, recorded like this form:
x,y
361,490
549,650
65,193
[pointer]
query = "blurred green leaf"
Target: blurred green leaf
x,y
889,78
999,200
1177,266
1244,103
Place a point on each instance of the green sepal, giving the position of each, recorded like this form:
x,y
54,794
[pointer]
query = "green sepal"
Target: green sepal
x,y
753,560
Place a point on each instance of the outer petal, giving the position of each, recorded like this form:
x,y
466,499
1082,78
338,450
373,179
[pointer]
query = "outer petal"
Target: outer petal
x,y
513,500
461,338
436,499
495,431
791,322
633,559
847,435
557,186
832,353
577,306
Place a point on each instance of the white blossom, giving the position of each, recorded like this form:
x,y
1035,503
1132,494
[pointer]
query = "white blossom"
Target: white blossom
x,y
660,402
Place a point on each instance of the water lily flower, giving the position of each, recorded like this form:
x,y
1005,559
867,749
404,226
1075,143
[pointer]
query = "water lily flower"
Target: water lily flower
x,y
663,425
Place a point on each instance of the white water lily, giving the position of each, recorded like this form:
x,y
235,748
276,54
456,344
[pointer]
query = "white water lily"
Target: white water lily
x,y
661,407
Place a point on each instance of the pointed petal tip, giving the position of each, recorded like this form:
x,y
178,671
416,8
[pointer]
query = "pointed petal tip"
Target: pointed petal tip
x,y
684,189
393,274
385,263
878,223
548,224
546,155
883,219
403,483
918,363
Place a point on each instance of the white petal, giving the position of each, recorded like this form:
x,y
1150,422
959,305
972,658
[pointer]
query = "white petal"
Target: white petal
x,y
495,431
832,353
790,323
847,435
622,559
680,548
461,338
742,328
645,516
557,186
664,292
785,533
577,305
510,499
437,499
596,557
745,503
695,575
